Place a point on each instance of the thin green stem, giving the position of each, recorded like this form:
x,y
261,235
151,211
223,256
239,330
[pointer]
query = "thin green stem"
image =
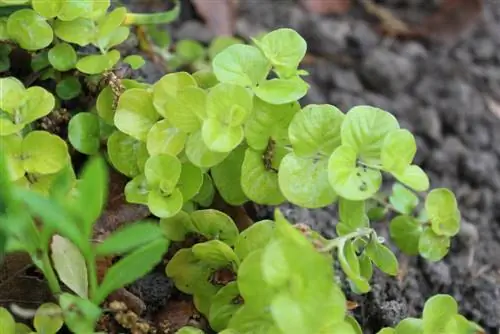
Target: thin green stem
x,y
335,243
385,204
154,18
91,272
50,275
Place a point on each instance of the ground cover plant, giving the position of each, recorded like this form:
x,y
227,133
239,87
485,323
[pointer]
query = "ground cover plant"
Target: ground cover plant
x,y
234,128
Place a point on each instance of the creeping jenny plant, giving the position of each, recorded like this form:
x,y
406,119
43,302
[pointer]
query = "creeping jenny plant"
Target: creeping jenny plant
x,y
234,127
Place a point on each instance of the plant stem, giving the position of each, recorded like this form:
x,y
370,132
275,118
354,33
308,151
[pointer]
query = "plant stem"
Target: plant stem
x,y
154,18
50,275
91,273
332,244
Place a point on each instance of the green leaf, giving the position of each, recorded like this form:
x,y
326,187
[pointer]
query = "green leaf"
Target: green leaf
x,y
402,199
206,193
316,129
39,103
353,182
189,330
213,224
62,57
127,154
164,138
190,180
410,325
12,94
387,330
365,129
205,78
352,213
163,171
75,9
220,43
23,329
383,257
350,265
44,153
95,64
365,266
176,228
68,88
216,253
405,231
30,30
230,104
7,323
79,31
11,147
398,150
250,320
224,304
281,91
135,61
259,183
199,154
438,311
442,209
241,64
304,181
131,267
164,206
414,177
84,133
70,265
190,275
48,10
221,138
135,113
432,246
48,319
137,190
283,47
227,177
256,237
288,314
80,314
190,50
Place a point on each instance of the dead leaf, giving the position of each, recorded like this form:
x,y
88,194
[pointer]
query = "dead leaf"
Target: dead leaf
x,y
351,305
323,7
219,15
70,265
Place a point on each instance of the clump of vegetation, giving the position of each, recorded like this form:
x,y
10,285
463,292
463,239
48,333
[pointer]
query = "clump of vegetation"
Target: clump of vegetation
x,y
234,127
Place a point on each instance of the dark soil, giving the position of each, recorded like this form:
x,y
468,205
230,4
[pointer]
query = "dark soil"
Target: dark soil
x,y
446,92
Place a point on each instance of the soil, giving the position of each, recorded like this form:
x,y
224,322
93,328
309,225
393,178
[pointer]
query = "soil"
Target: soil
x,y
446,91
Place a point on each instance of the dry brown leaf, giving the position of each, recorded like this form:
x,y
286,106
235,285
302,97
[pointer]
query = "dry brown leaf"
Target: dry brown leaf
x,y
323,7
219,15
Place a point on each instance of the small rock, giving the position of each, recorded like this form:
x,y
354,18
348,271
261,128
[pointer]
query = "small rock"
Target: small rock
x,y
347,80
327,37
387,72
362,38
194,30
413,50
480,166
446,159
484,49
428,122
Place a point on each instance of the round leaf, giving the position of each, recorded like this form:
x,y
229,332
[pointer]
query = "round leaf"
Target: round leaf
x,y
84,133
44,153
48,9
48,318
164,206
255,237
442,210
7,323
62,57
137,190
230,104
281,91
29,29
135,61
398,150
353,182
316,129
304,181
241,64
164,138
283,47
224,304
127,154
95,64
215,253
177,227
39,103
227,177
414,177
438,311
432,246
258,183
219,137
402,199
80,31
405,231
365,129
215,224
190,181
12,94
163,171
199,154
68,88
135,114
